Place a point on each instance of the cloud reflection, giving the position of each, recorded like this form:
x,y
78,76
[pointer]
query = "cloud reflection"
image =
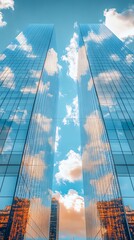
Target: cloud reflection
x,y
72,214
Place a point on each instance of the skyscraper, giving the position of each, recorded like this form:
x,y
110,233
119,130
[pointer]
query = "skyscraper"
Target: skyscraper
x,y
28,103
54,220
106,100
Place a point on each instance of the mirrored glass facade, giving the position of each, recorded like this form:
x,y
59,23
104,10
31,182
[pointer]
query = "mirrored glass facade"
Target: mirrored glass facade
x,y
28,105
106,102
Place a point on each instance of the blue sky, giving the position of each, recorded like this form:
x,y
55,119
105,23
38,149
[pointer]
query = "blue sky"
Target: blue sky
x,y
117,14
62,13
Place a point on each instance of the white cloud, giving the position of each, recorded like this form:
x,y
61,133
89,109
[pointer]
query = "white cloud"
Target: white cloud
x,y
71,57
97,37
60,94
51,143
72,214
89,163
75,24
29,89
44,86
72,199
2,57
8,146
103,185
31,55
107,102
35,73
72,113
93,126
50,95
51,64
95,130
79,148
83,65
39,215
94,225
7,76
58,137
2,23
35,166
70,169
5,4
23,44
130,59
129,40
19,116
43,122
76,59
107,77
12,46
95,146
115,57
122,24
90,84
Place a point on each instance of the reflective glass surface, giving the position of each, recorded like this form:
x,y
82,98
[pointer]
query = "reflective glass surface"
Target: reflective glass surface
x,y
107,133
28,100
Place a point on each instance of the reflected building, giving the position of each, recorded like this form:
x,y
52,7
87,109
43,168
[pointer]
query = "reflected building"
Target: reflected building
x,y
28,110
110,215
13,220
54,220
130,218
106,104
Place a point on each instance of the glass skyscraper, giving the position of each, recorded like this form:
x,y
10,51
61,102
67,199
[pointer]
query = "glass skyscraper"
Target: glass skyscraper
x,y
28,103
106,102
28,111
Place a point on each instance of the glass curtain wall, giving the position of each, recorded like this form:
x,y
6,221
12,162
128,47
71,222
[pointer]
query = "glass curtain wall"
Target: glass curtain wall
x,y
28,103
107,133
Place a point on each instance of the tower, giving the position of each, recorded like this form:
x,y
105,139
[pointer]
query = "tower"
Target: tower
x,y
107,130
28,103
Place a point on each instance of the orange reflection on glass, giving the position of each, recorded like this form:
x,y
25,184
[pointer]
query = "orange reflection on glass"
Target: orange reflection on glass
x,y
112,218
13,220
130,219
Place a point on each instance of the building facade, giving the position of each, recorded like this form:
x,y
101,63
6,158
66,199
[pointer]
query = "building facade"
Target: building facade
x,y
28,105
54,220
106,103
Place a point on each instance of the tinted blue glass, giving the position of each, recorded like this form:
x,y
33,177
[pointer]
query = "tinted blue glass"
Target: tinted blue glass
x,y
107,132
28,98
